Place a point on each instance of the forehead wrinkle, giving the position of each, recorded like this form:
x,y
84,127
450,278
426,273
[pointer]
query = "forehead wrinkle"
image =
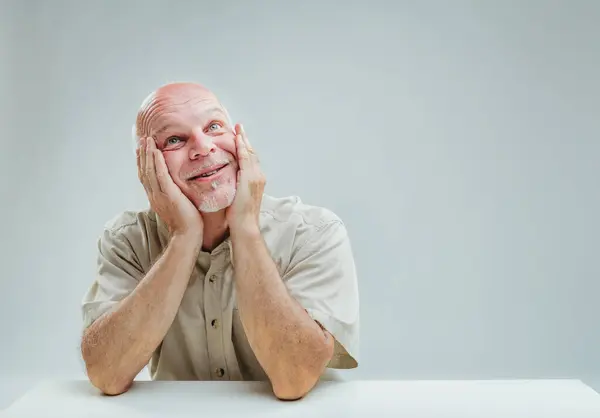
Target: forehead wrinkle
x,y
148,114
142,115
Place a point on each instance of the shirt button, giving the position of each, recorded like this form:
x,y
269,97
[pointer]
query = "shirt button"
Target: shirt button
x,y
220,372
212,278
214,323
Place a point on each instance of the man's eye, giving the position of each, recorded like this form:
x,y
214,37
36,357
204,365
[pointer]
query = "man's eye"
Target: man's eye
x,y
214,126
173,140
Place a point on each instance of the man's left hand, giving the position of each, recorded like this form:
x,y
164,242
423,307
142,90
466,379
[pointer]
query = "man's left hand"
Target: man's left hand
x,y
242,215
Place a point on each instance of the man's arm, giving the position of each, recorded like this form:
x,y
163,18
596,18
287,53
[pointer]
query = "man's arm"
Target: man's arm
x,y
120,343
290,346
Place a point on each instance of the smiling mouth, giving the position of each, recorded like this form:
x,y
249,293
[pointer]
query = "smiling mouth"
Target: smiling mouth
x,y
208,173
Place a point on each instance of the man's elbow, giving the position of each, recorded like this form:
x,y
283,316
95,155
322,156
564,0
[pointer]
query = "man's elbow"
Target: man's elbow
x,y
297,386
110,385
105,380
300,379
116,390
101,373
295,389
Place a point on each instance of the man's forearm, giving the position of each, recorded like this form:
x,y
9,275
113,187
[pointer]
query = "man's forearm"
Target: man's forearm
x,y
290,346
119,344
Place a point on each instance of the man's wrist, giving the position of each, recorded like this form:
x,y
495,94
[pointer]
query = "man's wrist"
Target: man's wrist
x,y
248,231
188,239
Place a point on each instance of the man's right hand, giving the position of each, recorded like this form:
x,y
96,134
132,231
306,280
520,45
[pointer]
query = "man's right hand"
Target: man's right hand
x,y
165,197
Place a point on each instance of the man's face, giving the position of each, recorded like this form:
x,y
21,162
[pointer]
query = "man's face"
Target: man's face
x,y
192,131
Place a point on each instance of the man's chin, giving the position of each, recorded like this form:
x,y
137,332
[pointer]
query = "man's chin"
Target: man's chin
x,y
216,201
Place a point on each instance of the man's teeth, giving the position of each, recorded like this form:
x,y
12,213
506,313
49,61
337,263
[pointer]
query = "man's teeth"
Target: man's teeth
x,y
210,173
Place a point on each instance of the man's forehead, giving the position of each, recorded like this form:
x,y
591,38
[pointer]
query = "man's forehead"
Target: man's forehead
x,y
179,104
192,110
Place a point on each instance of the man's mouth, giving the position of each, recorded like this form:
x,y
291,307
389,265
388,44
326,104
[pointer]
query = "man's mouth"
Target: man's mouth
x,y
209,172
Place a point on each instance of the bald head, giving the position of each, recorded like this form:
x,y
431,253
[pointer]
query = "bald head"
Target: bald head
x,y
167,98
182,91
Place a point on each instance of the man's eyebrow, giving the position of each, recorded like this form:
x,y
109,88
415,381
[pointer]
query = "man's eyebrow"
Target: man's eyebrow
x,y
162,129
216,110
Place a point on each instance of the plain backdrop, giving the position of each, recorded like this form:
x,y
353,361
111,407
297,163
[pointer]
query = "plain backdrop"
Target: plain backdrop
x,y
459,141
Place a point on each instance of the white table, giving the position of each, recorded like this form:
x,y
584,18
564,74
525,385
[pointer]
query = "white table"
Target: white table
x,y
414,399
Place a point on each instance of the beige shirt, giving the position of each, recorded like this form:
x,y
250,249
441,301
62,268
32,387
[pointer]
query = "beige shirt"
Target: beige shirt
x,y
311,249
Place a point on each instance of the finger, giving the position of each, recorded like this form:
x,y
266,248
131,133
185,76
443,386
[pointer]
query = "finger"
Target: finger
x,y
252,157
164,180
246,140
137,162
242,152
150,166
145,166
141,151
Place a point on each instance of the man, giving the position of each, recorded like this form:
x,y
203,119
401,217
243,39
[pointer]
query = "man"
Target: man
x,y
216,280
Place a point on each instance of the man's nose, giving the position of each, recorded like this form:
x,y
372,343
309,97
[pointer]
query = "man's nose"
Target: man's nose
x,y
201,146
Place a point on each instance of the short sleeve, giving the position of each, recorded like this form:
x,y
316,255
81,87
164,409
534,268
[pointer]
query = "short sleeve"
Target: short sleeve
x,y
322,278
117,273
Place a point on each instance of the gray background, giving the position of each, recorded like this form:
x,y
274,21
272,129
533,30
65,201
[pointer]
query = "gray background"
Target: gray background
x,y
458,140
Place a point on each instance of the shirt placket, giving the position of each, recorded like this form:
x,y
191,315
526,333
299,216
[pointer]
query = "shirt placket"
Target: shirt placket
x,y
213,314
217,320
228,303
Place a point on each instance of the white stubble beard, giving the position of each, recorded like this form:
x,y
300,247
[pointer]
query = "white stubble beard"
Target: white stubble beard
x,y
218,199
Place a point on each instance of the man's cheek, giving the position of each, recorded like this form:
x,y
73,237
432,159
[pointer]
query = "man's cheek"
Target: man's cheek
x,y
172,167
227,144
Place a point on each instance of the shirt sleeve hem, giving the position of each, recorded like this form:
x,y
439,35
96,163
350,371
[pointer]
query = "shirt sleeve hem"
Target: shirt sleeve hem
x,y
345,354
